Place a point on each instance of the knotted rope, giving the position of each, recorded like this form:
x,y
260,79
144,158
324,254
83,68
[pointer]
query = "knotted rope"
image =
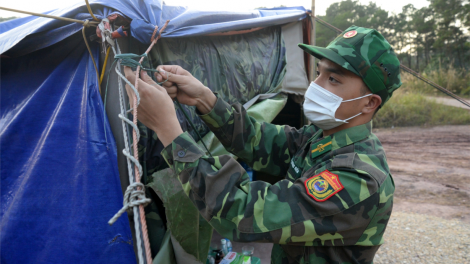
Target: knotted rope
x,y
134,196
139,233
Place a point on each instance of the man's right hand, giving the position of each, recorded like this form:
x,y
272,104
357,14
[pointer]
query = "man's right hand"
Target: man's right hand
x,y
187,89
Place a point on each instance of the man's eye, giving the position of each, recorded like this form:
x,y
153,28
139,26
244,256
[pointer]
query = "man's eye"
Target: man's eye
x,y
331,79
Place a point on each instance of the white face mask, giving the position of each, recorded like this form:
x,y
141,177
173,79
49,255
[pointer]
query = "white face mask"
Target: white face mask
x,y
320,107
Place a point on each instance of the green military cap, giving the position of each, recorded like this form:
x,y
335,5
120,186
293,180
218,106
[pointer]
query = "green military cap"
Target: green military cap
x,y
368,54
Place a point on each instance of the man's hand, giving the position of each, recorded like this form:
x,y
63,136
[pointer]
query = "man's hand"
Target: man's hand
x,y
156,109
187,89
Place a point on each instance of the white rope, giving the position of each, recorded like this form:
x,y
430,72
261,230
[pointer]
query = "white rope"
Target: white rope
x,y
125,119
132,197
136,162
130,84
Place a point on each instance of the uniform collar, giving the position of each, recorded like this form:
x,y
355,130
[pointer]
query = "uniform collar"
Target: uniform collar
x,y
339,139
351,135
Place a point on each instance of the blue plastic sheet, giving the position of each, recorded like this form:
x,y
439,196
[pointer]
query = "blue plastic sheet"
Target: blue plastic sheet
x,y
59,176
184,21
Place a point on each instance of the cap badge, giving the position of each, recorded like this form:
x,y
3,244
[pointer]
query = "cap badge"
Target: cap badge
x,y
350,34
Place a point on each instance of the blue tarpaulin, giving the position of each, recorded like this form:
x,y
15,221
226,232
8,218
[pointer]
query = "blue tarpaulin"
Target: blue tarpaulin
x,y
145,15
59,176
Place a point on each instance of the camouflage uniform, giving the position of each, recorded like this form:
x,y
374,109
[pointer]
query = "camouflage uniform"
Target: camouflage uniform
x,y
332,206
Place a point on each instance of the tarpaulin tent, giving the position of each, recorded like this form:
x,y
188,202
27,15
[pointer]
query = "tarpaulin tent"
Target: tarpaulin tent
x,y
62,172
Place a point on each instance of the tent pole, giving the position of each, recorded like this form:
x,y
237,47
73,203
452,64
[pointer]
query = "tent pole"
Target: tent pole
x,y
313,66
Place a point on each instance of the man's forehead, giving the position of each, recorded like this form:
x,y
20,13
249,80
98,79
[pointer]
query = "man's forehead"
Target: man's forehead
x,y
327,63
332,67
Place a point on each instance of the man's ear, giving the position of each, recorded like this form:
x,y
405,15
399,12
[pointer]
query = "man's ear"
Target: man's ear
x,y
372,105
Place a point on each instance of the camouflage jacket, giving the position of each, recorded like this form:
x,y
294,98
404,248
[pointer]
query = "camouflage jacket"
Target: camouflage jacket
x,y
311,215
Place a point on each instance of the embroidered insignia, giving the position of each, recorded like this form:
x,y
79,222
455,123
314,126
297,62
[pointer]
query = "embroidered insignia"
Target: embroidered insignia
x,y
321,147
350,34
322,186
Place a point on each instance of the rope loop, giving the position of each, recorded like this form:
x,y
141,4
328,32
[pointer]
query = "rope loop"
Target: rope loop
x,y
128,59
91,11
133,159
155,31
134,196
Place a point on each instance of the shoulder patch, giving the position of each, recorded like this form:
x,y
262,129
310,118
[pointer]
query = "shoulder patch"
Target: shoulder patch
x,y
323,185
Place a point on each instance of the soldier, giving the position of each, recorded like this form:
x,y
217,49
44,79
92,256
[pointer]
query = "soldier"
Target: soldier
x,y
335,198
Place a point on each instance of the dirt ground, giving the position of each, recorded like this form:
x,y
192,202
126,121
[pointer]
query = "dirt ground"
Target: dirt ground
x,y
431,169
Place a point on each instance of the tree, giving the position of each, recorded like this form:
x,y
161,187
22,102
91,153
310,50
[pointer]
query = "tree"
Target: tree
x,y
423,24
347,13
450,18
438,32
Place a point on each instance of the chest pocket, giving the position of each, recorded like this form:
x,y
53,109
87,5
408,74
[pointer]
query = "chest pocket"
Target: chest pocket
x,y
352,161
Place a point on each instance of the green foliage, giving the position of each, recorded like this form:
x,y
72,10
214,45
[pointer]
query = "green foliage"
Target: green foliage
x,y
413,109
347,13
3,19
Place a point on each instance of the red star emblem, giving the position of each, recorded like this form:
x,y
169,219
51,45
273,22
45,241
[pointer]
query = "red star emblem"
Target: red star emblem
x,y
350,34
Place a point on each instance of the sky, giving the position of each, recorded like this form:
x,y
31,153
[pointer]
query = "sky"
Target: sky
x,y
320,9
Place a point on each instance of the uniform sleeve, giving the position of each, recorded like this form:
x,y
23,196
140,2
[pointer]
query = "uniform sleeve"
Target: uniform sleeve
x,y
282,213
263,146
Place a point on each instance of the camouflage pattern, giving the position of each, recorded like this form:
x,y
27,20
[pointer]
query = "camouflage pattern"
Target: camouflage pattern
x,y
366,53
346,228
188,228
155,224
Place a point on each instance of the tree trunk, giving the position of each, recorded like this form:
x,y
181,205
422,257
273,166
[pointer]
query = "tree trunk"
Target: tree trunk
x,y
426,52
417,55
409,59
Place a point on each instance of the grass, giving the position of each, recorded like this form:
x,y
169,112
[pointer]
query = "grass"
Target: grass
x,y
409,108
455,80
